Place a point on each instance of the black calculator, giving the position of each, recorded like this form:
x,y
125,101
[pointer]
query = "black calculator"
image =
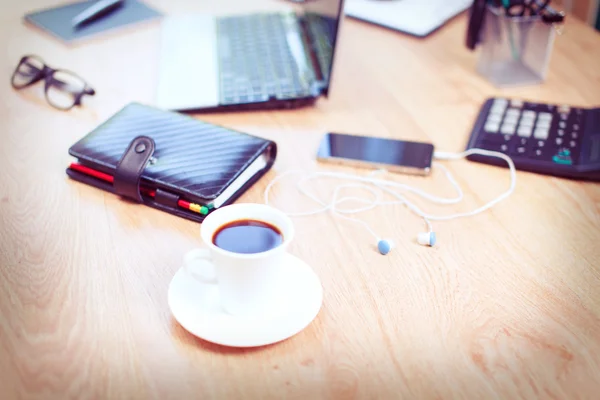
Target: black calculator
x,y
549,139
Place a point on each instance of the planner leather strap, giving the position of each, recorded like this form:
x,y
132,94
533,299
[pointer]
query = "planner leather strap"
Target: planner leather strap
x,y
130,167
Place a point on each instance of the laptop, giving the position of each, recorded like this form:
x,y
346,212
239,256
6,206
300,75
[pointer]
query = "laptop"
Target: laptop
x,y
418,18
261,60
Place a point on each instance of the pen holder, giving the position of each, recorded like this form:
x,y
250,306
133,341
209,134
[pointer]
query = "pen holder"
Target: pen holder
x,y
514,50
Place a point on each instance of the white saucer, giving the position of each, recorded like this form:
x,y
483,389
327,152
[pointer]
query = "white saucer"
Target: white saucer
x,y
196,307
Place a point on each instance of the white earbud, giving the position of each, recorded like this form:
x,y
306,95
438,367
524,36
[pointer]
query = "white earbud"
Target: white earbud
x,y
426,238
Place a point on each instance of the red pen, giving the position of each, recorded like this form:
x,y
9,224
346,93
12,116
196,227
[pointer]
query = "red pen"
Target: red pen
x,y
108,178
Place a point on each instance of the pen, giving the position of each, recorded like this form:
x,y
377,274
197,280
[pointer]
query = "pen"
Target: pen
x,y
152,193
476,17
97,10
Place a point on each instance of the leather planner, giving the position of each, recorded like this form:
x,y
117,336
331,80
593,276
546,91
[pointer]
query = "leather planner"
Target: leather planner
x,y
170,161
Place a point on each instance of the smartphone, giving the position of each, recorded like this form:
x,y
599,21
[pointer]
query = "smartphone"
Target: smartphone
x,y
371,152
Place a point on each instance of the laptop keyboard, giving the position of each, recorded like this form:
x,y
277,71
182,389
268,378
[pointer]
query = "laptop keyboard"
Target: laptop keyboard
x,y
256,61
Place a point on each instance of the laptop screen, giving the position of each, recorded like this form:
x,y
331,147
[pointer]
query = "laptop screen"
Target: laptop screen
x,y
323,19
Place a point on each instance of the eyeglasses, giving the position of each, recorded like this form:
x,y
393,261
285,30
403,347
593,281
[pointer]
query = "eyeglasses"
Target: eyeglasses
x,y
522,8
530,8
63,89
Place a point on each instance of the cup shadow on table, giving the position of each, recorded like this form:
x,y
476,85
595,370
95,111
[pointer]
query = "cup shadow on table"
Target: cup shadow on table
x,y
187,339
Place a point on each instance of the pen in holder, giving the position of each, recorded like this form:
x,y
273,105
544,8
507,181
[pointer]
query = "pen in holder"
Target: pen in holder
x,y
515,50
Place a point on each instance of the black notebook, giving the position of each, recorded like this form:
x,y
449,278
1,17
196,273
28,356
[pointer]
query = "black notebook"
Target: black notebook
x,y
167,160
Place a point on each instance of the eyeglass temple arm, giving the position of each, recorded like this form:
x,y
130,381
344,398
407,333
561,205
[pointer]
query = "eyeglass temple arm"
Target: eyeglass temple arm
x,y
87,89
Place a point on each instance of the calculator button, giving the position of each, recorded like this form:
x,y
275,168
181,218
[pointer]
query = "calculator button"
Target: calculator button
x,y
559,141
563,157
564,109
529,114
541,133
543,124
541,143
497,118
526,122
511,119
522,142
498,109
525,131
508,129
520,150
513,111
500,101
544,116
562,124
492,127
564,116
573,143
574,135
560,132
504,148
500,105
575,127
516,103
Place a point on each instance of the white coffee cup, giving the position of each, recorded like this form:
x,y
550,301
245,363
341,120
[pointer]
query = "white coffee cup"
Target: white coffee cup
x,y
248,284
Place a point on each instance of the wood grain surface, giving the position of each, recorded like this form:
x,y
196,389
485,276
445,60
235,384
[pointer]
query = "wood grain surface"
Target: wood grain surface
x,y
507,306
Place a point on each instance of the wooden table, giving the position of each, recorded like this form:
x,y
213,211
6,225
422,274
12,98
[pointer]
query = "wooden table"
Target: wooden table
x,y
507,306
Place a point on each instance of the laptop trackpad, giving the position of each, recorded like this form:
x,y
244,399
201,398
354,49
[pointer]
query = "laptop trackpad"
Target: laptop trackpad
x,y
188,66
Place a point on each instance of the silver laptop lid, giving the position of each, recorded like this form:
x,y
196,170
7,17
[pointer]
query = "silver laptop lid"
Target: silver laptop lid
x,y
322,19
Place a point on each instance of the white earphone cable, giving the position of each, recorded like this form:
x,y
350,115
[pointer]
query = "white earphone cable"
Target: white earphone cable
x,y
367,183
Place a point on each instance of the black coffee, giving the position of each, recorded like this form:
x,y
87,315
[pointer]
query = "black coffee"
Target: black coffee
x,y
247,236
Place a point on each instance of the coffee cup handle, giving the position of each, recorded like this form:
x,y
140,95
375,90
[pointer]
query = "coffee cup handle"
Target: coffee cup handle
x,y
198,264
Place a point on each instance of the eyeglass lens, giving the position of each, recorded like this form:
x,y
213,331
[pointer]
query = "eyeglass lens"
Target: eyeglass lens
x,y
63,89
27,71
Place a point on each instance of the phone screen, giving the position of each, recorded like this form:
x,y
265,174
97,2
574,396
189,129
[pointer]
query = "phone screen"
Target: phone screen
x,y
371,151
